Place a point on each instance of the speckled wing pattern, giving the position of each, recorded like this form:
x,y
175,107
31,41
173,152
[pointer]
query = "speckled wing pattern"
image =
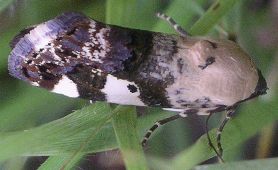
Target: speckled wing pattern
x,y
80,57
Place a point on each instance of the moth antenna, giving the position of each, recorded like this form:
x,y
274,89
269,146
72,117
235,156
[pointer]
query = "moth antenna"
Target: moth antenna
x,y
229,114
210,142
166,120
173,23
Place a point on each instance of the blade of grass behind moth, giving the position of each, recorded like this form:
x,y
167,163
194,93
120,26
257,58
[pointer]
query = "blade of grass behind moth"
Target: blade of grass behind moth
x,y
212,16
182,17
4,4
133,13
24,109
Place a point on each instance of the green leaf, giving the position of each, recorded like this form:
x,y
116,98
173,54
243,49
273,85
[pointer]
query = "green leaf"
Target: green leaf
x,y
182,17
4,4
27,103
130,13
14,163
125,127
212,16
61,162
269,164
66,135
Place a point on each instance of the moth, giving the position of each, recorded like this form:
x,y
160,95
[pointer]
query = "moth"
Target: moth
x,y
79,57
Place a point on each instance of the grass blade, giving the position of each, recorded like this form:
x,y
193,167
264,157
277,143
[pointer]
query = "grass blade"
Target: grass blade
x,y
212,16
125,126
182,17
27,103
269,164
4,4
64,135
58,162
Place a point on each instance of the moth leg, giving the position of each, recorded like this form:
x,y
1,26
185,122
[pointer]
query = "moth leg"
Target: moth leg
x,y
172,22
156,125
210,142
164,121
229,114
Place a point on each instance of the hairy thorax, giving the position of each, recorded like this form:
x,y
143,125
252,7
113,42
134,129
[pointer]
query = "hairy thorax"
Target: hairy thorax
x,y
209,73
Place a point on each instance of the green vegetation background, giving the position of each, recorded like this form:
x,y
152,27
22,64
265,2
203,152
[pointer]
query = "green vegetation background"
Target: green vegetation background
x,y
34,122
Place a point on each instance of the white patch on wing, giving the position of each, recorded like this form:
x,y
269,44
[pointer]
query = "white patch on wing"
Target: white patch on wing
x,y
98,46
35,84
173,109
66,87
117,91
41,36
